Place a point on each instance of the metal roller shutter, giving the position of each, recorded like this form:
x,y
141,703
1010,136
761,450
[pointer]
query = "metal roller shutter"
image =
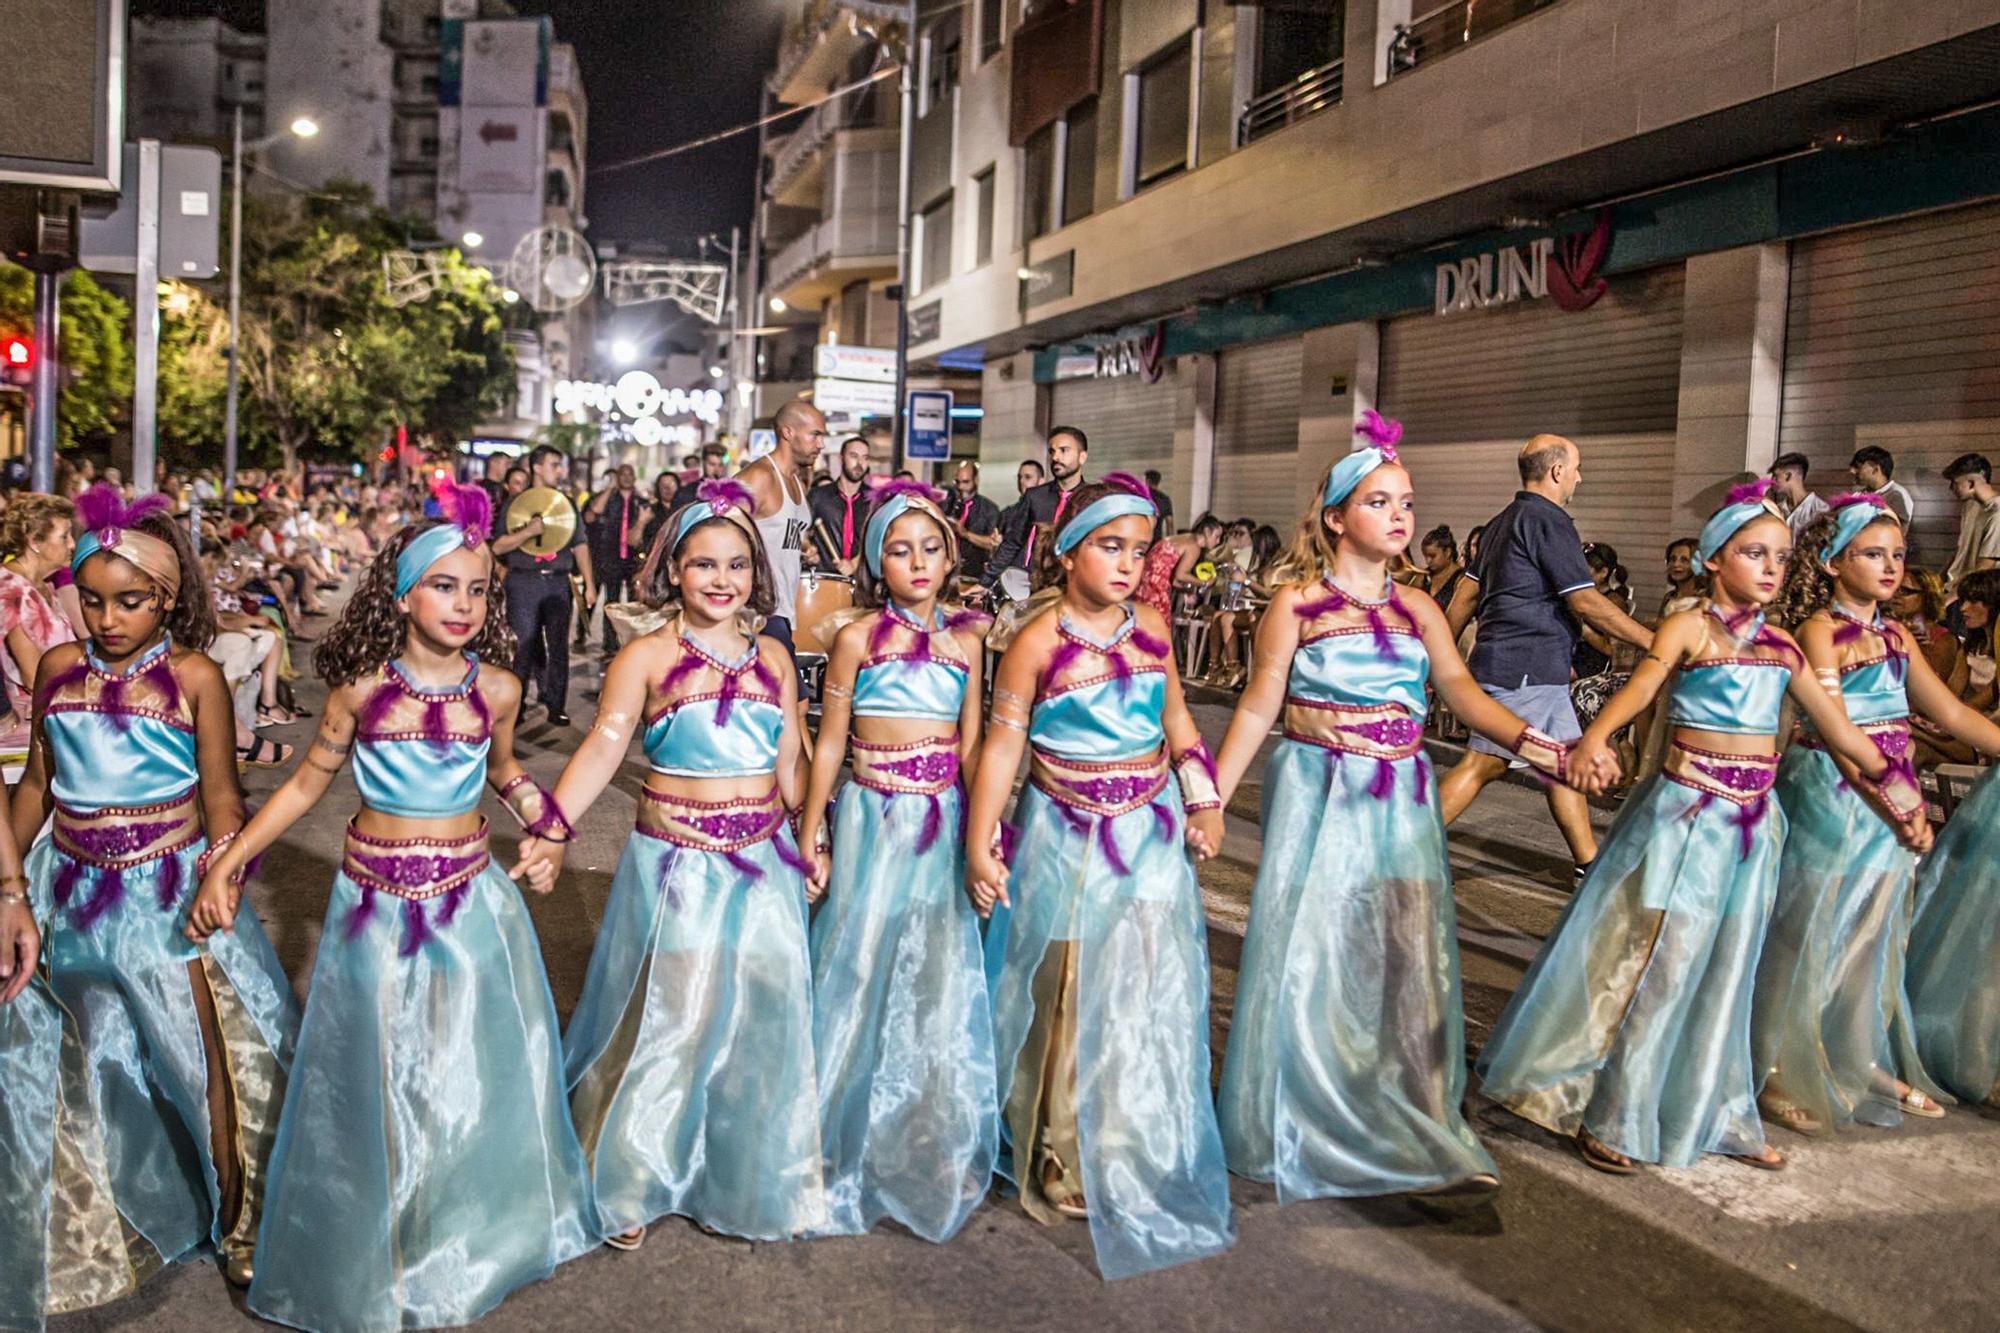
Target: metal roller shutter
x,y
1471,389
1130,423
1257,434
1893,338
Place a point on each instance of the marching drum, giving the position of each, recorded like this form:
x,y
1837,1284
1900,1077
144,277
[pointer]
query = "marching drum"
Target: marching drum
x,y
820,597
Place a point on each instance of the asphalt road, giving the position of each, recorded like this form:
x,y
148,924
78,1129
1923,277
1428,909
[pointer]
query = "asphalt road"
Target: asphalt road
x,y
1894,1230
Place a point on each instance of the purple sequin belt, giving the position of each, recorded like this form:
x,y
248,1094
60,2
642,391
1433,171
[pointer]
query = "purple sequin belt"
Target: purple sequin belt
x,y
1106,787
924,767
1382,731
414,868
1741,778
115,837
710,826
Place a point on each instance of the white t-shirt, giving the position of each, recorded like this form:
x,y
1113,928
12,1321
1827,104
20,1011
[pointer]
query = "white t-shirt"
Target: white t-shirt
x,y
1978,538
1803,514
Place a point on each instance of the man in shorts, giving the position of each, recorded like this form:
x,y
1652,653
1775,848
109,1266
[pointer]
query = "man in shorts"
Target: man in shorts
x,y
1531,587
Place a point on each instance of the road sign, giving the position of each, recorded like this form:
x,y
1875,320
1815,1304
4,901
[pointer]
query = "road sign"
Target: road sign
x,y
843,361
190,219
62,104
929,435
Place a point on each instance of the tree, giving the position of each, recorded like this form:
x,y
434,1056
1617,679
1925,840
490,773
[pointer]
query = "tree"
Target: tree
x,y
95,348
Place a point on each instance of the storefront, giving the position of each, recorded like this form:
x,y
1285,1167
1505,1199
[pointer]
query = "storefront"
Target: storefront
x,y
1257,395
1130,406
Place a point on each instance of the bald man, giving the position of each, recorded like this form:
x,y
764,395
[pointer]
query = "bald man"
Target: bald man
x,y
777,481
1530,587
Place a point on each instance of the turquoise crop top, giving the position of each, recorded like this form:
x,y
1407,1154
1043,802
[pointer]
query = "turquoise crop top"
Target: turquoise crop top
x,y
1088,709
120,740
716,719
1873,690
904,673
1344,660
1740,693
420,751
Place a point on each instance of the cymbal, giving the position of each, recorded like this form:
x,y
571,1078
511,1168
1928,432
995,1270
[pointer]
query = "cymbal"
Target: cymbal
x,y
558,517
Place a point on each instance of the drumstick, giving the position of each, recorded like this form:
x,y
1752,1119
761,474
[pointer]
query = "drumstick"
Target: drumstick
x,y
826,541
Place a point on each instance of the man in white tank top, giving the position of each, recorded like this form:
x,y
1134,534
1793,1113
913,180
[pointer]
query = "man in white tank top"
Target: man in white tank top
x,y
777,482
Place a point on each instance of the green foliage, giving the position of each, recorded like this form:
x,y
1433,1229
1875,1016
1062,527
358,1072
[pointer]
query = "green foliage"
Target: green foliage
x,y
96,350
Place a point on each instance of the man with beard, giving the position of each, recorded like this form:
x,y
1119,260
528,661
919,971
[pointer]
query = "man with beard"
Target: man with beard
x,y
976,518
840,510
615,519
1041,508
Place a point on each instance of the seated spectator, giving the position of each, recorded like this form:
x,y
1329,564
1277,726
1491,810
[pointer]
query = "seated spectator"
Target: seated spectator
x,y
1683,582
1920,606
1978,608
1241,595
36,541
248,649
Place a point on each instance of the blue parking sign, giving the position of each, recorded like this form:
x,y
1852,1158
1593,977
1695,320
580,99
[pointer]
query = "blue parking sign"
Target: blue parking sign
x,y
929,431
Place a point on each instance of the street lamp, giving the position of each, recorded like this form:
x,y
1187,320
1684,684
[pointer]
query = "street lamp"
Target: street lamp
x,y
303,127
624,351
473,240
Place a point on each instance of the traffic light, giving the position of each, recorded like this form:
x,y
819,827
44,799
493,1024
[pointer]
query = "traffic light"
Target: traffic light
x,y
17,358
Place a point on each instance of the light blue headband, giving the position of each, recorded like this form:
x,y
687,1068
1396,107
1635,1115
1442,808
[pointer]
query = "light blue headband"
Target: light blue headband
x,y
1349,471
1097,513
1849,520
1727,520
699,512
886,513
430,546
86,546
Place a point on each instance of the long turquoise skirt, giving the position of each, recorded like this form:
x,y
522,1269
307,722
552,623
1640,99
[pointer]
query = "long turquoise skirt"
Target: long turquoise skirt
x,y
128,1011
1633,1022
902,1026
1345,1072
1954,963
1830,1028
690,1059
1154,1177
425,1166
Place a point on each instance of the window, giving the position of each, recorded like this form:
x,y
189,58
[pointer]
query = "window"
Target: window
x,y
982,245
1038,184
1162,116
934,263
1292,42
428,85
1080,161
940,61
992,23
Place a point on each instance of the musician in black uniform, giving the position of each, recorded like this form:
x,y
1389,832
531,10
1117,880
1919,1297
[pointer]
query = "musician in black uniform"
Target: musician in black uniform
x,y
1069,450
538,596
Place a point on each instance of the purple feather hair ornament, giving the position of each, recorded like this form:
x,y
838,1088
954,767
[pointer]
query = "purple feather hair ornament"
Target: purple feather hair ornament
x,y
1847,498
1750,492
723,494
1125,481
881,488
102,510
1380,431
468,508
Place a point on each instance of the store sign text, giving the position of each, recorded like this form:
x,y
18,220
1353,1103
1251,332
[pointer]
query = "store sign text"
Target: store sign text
x,y
1135,354
1497,277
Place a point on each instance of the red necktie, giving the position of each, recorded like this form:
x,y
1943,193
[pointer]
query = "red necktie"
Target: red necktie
x,y
1062,503
847,527
624,527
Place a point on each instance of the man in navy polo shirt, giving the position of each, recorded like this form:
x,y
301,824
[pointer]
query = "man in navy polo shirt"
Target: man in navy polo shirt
x,y
1531,587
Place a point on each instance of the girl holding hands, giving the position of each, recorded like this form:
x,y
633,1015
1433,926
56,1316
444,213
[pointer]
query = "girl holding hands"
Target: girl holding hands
x,y
902,1029
1097,948
1346,1060
1631,1031
426,1165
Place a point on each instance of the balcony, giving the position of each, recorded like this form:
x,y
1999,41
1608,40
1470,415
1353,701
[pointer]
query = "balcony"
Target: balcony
x,y
1309,94
860,124
814,267
1445,29
817,52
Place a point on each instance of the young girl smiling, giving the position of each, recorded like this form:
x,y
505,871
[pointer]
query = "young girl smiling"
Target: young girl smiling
x,y
426,1165
1097,947
184,1047
690,1058
902,1029
1631,1031
1346,1061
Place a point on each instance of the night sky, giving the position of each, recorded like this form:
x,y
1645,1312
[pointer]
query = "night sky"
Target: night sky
x,y
656,72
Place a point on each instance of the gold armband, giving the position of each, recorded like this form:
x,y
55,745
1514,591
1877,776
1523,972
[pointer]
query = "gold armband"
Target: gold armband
x,y
1194,769
614,727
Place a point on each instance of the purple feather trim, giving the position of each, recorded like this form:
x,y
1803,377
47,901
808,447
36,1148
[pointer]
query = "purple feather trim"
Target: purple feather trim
x,y
878,638
109,892
1076,819
1147,643
1378,629
73,674
1383,785
170,882
103,507
1770,638
880,489
112,700
1748,493
375,709
749,869
727,700
1121,670
415,929
1848,632
689,663
1423,779
453,900
1010,838
1128,483
435,724
725,493
1313,610
161,673
933,824
1163,819
1382,432
364,911
1064,657
966,619
469,508
480,710
790,854
1107,839
69,871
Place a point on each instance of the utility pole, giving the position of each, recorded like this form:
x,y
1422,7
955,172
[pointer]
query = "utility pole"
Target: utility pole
x,y
146,321
235,298
909,118
42,391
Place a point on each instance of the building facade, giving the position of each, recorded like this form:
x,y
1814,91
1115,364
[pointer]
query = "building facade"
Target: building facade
x,y
1688,235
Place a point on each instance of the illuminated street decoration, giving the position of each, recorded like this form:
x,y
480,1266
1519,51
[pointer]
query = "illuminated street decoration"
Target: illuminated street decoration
x,y
656,415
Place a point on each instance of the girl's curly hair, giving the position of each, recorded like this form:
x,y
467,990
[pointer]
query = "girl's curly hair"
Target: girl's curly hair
x,y
371,630
1808,588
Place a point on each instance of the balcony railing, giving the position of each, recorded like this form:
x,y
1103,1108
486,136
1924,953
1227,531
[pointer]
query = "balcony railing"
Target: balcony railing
x,y
1448,27
855,111
1307,95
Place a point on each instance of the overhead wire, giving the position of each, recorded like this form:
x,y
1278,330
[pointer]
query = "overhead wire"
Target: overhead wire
x,y
773,118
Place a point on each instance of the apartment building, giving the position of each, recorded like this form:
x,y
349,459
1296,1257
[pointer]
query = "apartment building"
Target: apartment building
x,y
1689,234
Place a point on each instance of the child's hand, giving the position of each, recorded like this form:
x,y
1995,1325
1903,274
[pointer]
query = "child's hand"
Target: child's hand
x,y
1204,833
985,880
1592,767
20,945
215,904
822,871
539,861
1915,833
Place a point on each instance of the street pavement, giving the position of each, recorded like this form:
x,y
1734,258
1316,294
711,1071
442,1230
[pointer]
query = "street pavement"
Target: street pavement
x,y
1893,1230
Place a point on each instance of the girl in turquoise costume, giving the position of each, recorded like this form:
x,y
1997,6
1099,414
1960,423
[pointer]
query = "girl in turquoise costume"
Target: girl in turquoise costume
x,y
690,1054
1346,1061
1952,976
1831,1029
902,1028
1631,1030
426,1165
1097,948
180,1049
